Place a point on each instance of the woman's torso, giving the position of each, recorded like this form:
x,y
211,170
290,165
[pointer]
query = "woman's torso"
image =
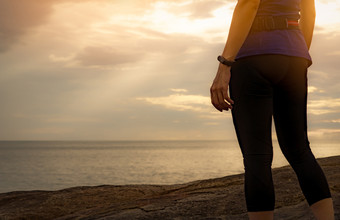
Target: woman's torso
x,y
288,42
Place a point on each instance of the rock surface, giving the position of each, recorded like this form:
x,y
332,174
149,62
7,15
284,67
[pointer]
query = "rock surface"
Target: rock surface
x,y
220,198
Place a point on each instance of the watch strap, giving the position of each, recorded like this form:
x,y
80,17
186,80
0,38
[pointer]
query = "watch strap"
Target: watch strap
x,y
224,61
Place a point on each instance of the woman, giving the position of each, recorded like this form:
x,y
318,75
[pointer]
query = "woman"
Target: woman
x,y
270,39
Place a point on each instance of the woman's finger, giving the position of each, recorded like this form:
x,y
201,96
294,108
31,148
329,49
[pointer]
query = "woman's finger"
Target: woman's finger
x,y
214,101
220,100
224,105
227,99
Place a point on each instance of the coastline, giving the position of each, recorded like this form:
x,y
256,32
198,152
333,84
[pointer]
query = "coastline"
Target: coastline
x,y
219,198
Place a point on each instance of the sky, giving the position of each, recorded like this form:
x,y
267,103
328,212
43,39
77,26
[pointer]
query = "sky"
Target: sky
x,y
136,70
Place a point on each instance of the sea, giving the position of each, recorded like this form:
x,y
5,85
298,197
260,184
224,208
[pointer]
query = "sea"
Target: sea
x,y
54,165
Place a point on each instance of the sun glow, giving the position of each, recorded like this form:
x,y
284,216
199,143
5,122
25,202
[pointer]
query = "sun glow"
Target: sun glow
x,y
168,18
327,12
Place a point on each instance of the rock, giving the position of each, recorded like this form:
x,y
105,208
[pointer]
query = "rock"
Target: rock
x,y
220,198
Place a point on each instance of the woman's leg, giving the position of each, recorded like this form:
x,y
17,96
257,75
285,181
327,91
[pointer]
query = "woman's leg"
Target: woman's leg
x,y
252,117
290,98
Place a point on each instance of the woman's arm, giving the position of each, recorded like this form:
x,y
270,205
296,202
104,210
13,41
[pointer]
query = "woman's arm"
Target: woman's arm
x,y
243,17
307,20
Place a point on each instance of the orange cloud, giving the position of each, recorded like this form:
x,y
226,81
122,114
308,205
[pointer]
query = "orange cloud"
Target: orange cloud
x,y
17,17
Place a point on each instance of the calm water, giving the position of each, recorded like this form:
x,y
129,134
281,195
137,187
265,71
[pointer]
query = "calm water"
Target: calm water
x,y
51,165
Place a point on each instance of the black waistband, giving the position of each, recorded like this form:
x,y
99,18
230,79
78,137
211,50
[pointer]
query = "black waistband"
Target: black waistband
x,y
269,23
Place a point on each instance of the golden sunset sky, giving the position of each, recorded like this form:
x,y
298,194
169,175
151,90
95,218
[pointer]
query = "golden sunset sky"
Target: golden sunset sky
x,y
135,70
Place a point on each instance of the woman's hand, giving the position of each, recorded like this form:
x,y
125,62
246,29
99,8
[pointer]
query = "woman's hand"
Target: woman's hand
x,y
219,89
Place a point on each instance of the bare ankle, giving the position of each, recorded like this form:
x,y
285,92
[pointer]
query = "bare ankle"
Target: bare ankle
x,y
323,209
265,215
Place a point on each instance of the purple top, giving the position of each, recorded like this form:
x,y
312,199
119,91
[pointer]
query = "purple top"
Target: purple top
x,y
285,42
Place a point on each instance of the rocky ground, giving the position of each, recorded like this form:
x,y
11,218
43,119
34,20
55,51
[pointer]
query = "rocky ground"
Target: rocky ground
x,y
220,198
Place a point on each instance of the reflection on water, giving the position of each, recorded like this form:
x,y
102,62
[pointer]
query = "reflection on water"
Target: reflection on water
x,y
56,165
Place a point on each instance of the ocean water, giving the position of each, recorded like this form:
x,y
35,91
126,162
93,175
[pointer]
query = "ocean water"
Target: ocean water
x,y
52,165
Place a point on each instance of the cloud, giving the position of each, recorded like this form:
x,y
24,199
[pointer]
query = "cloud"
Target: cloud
x,y
55,58
106,56
133,45
324,106
323,74
18,17
197,9
200,105
327,1
166,58
100,38
204,9
179,90
325,134
313,89
336,53
180,102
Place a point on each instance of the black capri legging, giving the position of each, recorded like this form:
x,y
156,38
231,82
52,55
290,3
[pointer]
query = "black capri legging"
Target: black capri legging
x,y
261,87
